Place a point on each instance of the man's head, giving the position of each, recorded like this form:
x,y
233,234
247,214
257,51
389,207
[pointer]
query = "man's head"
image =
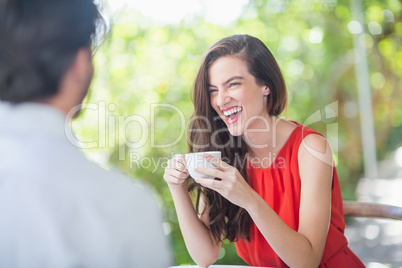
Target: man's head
x,y
45,49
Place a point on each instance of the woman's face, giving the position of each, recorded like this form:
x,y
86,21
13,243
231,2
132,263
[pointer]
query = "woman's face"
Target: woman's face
x,y
236,96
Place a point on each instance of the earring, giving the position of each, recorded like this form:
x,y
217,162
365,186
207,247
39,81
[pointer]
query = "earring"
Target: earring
x,y
266,92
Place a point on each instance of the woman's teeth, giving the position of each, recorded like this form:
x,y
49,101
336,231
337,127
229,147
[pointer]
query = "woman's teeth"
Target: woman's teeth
x,y
232,111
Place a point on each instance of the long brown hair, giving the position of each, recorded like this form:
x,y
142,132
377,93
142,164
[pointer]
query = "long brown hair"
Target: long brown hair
x,y
208,132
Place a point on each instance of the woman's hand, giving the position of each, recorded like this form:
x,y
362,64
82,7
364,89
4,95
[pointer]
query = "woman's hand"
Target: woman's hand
x,y
176,172
231,185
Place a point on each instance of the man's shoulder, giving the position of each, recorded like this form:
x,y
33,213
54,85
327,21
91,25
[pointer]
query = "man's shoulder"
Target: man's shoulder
x,y
61,166
118,181
109,178
69,165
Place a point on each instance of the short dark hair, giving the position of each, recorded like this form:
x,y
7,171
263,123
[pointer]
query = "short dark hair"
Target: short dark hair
x,y
38,42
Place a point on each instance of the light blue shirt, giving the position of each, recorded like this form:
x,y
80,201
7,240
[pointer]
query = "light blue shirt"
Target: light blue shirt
x,y
58,209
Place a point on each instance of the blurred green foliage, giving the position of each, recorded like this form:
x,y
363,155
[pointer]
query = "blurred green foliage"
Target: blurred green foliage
x,y
140,98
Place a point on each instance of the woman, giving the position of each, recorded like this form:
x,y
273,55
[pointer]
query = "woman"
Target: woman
x,y
276,194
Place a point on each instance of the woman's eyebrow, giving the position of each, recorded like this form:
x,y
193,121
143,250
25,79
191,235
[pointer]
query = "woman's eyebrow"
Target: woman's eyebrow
x,y
236,77
229,80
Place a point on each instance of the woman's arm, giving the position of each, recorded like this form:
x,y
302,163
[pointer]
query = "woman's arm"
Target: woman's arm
x,y
302,248
201,245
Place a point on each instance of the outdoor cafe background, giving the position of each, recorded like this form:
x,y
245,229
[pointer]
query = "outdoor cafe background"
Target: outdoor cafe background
x,y
343,73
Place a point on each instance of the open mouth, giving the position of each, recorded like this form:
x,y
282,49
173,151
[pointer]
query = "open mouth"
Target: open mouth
x,y
232,114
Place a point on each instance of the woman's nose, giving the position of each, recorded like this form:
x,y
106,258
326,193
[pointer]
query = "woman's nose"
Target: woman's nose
x,y
223,98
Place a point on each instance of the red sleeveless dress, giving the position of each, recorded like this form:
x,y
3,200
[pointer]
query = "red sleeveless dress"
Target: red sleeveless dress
x,y
279,186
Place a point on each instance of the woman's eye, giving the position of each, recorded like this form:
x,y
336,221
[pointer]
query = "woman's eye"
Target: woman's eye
x,y
212,90
233,84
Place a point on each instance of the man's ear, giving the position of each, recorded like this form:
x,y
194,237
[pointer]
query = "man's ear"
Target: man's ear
x,y
77,79
82,67
75,82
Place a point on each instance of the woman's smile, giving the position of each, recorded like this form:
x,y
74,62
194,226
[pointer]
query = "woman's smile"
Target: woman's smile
x,y
232,114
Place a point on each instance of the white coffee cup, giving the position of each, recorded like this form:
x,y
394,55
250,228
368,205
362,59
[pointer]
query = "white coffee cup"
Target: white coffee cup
x,y
194,160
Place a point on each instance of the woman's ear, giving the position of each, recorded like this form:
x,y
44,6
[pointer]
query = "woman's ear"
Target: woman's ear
x,y
266,91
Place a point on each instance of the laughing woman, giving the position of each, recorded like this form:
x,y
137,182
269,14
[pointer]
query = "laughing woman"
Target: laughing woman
x,y
276,195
